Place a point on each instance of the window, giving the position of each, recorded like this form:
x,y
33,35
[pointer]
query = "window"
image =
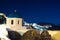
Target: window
x,y
11,21
18,21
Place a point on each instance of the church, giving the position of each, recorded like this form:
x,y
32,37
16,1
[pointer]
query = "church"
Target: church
x,y
13,21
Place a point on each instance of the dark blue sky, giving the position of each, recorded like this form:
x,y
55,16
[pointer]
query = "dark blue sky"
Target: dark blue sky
x,y
33,10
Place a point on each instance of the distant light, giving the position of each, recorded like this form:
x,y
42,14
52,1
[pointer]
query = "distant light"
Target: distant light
x,y
34,24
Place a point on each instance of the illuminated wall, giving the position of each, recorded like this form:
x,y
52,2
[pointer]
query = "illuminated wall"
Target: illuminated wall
x,y
14,23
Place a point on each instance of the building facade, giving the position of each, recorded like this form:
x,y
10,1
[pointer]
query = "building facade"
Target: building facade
x,y
13,21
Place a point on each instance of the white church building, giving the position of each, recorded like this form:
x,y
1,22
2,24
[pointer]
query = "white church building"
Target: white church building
x,y
13,21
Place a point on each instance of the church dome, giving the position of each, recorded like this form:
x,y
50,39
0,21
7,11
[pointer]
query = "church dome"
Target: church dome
x,y
15,15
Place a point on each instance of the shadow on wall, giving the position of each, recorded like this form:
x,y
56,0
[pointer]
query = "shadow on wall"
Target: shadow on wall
x,y
13,35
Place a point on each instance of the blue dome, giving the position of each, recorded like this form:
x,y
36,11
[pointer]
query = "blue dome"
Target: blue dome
x,y
15,15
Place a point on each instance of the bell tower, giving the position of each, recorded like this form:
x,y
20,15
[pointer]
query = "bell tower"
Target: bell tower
x,y
14,20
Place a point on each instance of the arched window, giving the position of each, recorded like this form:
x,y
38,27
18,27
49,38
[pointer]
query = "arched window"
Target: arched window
x,y
18,21
11,21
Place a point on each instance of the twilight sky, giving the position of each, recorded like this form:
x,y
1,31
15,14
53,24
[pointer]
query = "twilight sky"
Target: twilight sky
x,y
33,11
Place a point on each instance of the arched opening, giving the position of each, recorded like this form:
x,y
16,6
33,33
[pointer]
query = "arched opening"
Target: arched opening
x,y
18,21
12,21
2,19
